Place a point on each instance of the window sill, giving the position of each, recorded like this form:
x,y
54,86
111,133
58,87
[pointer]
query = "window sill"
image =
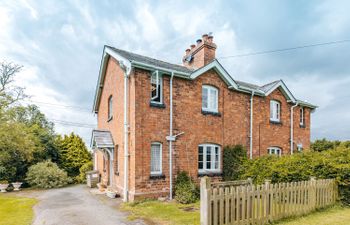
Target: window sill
x,y
157,177
157,105
204,112
110,118
210,174
302,126
275,122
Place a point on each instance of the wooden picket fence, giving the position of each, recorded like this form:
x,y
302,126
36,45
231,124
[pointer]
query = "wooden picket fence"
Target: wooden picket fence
x,y
240,202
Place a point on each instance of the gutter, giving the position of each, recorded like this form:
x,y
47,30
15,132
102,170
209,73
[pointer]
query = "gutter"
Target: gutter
x,y
126,130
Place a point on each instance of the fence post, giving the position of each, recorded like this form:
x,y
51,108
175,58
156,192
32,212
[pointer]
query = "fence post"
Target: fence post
x,y
205,201
250,180
314,194
267,200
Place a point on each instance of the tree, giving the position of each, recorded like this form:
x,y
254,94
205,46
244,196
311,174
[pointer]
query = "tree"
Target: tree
x,y
324,144
9,93
73,153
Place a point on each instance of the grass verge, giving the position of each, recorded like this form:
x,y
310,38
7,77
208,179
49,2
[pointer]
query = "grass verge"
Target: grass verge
x,y
16,210
156,212
333,215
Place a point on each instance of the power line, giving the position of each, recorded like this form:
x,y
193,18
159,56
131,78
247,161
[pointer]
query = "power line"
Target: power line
x,y
59,105
285,49
70,123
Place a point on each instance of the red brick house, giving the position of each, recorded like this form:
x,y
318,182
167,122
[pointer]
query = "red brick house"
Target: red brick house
x,y
156,119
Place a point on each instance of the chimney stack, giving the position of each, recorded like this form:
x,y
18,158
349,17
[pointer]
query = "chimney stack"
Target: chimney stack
x,y
201,54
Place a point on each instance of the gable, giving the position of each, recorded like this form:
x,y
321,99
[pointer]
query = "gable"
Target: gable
x,y
219,69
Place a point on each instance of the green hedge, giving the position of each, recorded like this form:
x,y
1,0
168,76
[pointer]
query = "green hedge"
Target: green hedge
x,y
326,164
233,158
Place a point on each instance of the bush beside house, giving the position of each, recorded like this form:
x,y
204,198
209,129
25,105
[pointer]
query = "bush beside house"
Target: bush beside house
x,y
186,191
47,175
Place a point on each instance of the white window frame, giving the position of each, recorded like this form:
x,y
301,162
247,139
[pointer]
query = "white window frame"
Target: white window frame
x,y
275,151
110,107
275,111
159,81
301,118
160,159
210,107
205,170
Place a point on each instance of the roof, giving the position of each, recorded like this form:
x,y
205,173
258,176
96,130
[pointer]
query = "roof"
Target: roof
x,y
101,139
132,57
130,60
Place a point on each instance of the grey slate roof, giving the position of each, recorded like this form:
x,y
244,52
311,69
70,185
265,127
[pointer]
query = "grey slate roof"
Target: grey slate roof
x,y
102,139
155,62
265,88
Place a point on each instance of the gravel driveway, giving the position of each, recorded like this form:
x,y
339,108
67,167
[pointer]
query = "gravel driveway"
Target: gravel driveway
x,y
75,205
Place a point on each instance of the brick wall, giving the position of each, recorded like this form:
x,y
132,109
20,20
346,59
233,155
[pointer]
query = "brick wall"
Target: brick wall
x,y
151,124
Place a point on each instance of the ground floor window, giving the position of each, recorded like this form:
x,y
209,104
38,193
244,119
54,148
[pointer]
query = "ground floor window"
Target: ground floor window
x,y
300,147
208,158
275,151
156,158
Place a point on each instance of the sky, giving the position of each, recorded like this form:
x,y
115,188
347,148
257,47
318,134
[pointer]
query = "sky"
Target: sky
x,y
60,45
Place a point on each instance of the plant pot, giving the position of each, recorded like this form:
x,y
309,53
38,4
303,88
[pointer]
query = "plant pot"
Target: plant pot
x,y
111,194
3,187
16,185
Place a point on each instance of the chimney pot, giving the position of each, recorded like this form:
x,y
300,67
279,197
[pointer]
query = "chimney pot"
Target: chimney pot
x,y
188,51
193,46
199,41
205,37
210,39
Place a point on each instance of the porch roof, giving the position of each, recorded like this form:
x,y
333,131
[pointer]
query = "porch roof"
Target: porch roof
x,y
101,139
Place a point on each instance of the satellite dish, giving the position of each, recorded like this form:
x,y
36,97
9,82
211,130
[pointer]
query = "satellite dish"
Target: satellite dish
x,y
188,58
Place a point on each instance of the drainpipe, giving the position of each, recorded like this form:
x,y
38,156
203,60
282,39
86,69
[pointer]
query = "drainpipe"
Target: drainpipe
x,y
126,132
170,140
251,127
291,127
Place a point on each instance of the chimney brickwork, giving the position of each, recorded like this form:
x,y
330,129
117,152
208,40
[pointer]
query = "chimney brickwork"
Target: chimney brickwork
x,y
200,54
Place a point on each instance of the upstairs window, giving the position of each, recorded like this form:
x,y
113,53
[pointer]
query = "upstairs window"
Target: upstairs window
x,y
275,151
156,158
110,107
208,158
302,120
275,111
209,98
156,87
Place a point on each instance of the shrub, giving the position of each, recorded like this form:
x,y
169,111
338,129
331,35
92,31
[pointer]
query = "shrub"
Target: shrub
x,y
83,169
186,191
326,164
47,175
233,158
324,145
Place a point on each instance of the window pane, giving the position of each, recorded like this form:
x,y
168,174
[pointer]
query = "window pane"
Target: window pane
x,y
200,157
156,90
277,111
208,157
271,110
204,98
216,158
213,99
155,158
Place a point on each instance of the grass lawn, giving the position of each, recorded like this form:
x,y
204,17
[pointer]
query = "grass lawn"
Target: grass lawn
x,y
16,210
156,212
334,215
172,213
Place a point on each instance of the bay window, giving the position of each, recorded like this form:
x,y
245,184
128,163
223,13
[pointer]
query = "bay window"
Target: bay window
x,y
208,158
